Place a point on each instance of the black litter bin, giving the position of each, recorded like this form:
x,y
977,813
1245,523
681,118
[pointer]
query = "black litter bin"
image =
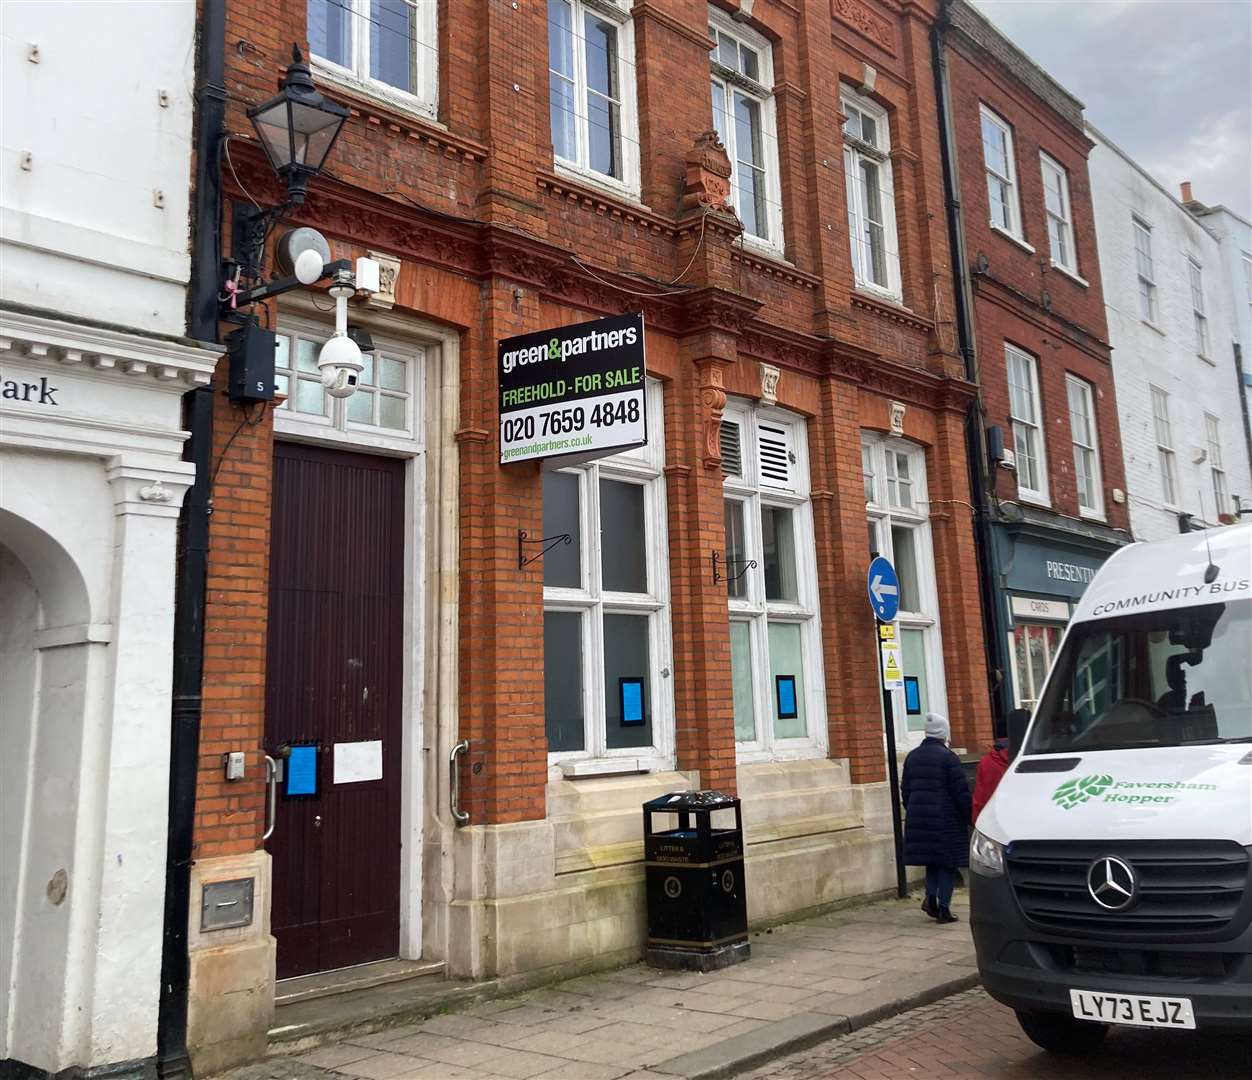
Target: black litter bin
x,y
697,902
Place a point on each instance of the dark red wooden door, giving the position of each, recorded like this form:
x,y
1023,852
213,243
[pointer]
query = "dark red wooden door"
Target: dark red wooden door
x,y
335,676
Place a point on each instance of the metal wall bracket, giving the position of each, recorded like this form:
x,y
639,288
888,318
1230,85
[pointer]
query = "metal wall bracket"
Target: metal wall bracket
x,y
549,542
744,564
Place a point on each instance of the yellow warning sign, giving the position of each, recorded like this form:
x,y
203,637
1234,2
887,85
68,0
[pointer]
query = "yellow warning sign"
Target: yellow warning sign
x,y
887,631
892,666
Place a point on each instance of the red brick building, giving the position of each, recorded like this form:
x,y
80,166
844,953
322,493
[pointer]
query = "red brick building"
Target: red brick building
x,y
1057,500
520,167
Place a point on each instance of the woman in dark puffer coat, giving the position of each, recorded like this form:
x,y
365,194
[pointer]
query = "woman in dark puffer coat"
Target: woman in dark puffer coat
x,y
936,804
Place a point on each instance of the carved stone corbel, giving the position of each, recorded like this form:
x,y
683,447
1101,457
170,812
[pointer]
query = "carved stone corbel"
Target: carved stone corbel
x,y
712,407
769,384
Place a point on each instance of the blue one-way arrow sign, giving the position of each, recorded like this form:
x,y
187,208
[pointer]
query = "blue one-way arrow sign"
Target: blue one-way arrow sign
x,y
884,589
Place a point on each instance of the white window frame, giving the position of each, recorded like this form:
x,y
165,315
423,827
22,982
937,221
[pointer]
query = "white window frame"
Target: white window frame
x,y
616,12
1145,274
1024,426
761,90
754,608
1195,278
643,466
855,151
1086,396
1064,220
334,421
880,454
1217,466
1167,458
1013,202
424,98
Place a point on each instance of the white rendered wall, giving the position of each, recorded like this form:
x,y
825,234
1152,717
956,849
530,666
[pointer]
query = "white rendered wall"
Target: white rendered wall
x,y
1235,236
1164,355
87,151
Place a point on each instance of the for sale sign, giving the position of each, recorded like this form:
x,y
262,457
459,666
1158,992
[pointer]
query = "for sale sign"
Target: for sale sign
x,y
576,390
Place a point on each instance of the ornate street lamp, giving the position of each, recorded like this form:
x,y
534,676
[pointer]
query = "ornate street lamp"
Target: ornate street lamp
x,y
298,127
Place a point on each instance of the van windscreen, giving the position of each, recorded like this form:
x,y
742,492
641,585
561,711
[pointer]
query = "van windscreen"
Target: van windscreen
x,y
1177,677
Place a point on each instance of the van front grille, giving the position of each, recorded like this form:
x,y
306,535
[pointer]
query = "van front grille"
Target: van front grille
x,y
1187,890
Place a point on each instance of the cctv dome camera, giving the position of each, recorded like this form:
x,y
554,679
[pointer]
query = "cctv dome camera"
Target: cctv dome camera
x,y
341,365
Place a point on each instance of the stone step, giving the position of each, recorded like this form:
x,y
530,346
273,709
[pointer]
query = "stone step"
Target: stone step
x,y
325,984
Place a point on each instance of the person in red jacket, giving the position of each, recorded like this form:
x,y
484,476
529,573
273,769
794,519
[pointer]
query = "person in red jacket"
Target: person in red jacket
x,y
987,778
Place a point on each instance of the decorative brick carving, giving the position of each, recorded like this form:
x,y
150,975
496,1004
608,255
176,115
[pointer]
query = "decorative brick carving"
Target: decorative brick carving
x,y
708,174
858,16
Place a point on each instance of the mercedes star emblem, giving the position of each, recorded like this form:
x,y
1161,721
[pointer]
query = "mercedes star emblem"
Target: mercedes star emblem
x,y
1111,883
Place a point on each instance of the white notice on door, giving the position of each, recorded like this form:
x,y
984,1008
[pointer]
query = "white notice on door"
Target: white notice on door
x,y
357,761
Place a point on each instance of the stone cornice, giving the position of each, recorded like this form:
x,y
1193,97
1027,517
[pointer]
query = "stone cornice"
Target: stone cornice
x,y
774,267
600,201
111,352
885,309
405,125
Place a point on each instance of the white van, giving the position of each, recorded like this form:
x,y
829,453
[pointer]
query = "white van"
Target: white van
x,y
1110,872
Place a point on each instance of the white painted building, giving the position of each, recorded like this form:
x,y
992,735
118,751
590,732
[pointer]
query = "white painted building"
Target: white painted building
x,y
1172,329
1234,234
94,263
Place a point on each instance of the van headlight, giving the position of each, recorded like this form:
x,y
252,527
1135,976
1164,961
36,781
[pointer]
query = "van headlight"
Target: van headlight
x,y
986,856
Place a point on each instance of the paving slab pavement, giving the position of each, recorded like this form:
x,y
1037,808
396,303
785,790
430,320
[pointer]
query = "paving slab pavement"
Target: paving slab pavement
x,y
806,982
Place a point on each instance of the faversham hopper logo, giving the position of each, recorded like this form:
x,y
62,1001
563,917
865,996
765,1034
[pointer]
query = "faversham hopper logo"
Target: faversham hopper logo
x,y
1079,790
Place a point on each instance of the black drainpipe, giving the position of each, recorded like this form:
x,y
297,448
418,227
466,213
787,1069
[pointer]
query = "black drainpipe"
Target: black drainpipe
x,y
989,570
1247,425
173,1060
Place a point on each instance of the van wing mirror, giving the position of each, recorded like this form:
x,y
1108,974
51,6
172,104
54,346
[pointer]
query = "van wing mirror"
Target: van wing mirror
x,y
1018,722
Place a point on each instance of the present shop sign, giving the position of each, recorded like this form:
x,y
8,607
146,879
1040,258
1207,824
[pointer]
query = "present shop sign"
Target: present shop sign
x,y
575,390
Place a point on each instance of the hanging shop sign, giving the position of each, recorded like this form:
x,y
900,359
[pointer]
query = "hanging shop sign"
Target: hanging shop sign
x,y
573,391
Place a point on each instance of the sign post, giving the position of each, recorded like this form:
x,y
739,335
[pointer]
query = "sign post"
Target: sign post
x,y
573,391
883,588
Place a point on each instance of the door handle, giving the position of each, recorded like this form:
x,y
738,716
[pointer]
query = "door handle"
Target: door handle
x,y
271,797
454,783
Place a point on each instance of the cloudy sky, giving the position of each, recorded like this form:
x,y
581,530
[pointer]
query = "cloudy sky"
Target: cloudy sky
x,y
1169,81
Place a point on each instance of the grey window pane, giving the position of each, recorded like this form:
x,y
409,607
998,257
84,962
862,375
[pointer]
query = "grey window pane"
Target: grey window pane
x,y
391,413
604,135
306,354
391,43
623,552
391,374
601,56
751,65
741,681
748,130
310,397
330,31
562,565
904,552
778,551
626,657
361,407
736,551
561,37
563,680
786,660
561,102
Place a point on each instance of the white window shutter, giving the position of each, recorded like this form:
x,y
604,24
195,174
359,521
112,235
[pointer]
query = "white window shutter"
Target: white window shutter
x,y
776,454
731,449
